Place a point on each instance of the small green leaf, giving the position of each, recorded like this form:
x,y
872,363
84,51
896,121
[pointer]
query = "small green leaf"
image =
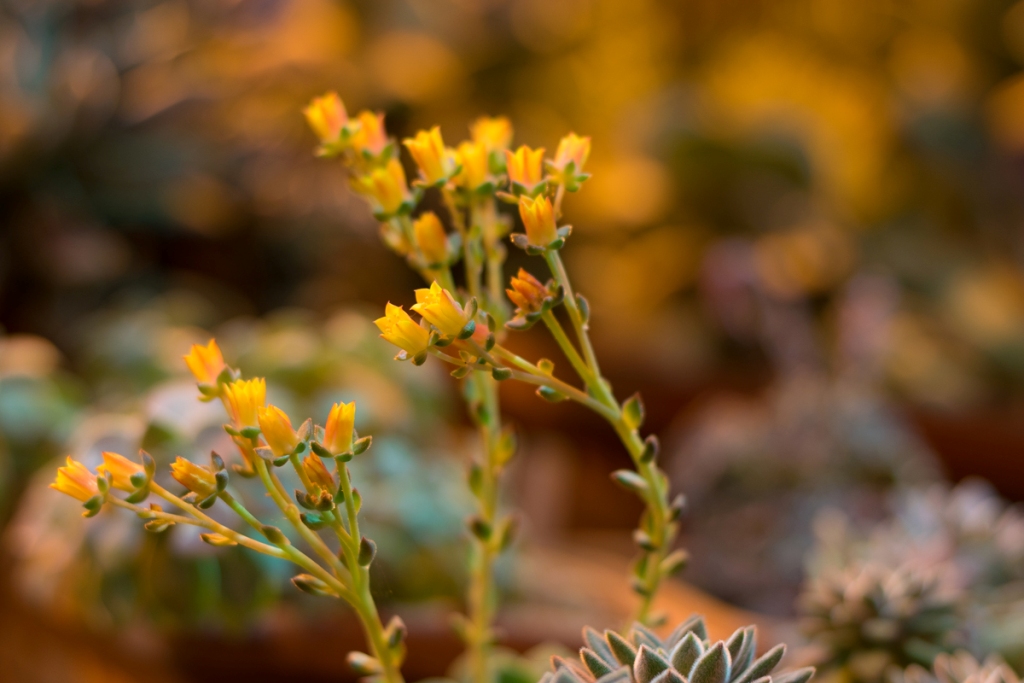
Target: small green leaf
x,y
395,632
594,663
633,411
674,562
217,540
274,535
763,665
546,366
501,374
621,648
584,306
648,665
631,481
651,449
475,478
367,551
686,653
360,446
551,395
308,583
713,666
363,664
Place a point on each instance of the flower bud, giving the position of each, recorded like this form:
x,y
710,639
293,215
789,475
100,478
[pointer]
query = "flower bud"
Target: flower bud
x,y
369,136
435,162
431,238
75,480
277,430
494,133
244,398
194,477
205,362
572,148
121,470
341,425
326,116
527,292
385,186
473,157
525,167
439,308
318,473
539,220
398,328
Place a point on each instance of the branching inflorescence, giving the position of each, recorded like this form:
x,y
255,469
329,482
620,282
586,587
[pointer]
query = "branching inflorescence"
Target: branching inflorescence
x,y
465,326
324,516
462,326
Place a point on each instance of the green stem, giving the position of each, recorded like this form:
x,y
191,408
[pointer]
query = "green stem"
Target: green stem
x,y
558,332
481,596
562,277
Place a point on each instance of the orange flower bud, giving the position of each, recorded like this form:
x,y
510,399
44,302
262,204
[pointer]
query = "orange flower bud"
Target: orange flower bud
x,y
525,166
401,330
527,292
277,430
386,186
121,469
317,473
539,220
572,148
205,362
195,478
427,148
340,427
473,156
369,136
494,133
439,308
244,398
326,116
75,480
431,238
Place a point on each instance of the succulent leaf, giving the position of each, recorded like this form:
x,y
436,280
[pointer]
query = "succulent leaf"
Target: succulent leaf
x,y
686,653
713,666
648,664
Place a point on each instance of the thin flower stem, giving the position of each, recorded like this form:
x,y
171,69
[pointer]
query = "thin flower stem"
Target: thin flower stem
x,y
291,513
662,529
469,255
562,277
481,596
240,510
558,332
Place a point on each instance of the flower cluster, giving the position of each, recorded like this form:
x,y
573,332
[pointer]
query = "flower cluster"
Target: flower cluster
x,y
266,440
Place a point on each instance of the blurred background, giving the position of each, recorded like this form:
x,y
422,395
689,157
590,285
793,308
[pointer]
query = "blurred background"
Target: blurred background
x,y
803,242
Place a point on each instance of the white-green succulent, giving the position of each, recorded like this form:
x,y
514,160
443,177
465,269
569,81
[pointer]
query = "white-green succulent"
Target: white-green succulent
x,y
686,656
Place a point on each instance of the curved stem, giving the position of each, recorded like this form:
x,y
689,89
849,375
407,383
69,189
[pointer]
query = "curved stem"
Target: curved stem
x,y
562,277
555,327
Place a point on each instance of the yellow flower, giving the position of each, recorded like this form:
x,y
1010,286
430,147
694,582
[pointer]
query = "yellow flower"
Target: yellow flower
x,y
401,330
473,157
439,308
340,425
244,399
326,116
427,148
75,480
572,148
539,219
194,477
431,238
205,362
525,166
494,133
370,135
527,293
121,469
277,430
386,186
318,473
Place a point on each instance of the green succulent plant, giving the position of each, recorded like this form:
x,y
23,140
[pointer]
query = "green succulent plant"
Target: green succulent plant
x,y
686,656
869,618
958,667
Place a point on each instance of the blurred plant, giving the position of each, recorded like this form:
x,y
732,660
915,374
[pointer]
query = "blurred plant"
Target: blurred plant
x,y
266,440
867,618
465,327
967,537
687,655
958,667
756,469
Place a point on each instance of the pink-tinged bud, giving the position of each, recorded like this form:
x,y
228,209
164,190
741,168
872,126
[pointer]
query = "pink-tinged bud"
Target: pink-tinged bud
x,y
195,478
527,292
572,148
369,135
